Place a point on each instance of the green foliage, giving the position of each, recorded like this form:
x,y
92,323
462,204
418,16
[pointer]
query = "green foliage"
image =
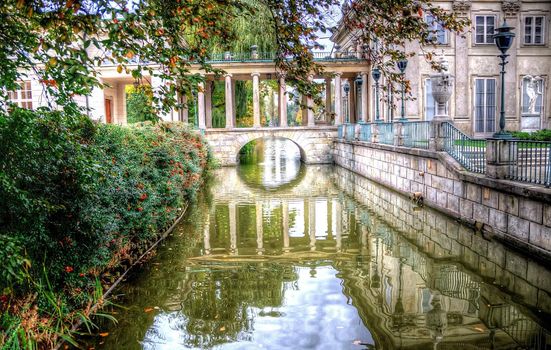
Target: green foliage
x,y
80,198
539,135
139,104
73,37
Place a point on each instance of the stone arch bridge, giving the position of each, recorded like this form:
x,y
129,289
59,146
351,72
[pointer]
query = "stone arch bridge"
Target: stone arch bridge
x,y
314,142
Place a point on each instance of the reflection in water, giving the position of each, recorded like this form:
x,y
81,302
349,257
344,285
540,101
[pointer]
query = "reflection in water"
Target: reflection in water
x,y
270,162
316,265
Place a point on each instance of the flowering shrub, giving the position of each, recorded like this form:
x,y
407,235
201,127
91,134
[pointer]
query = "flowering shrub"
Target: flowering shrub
x,y
79,199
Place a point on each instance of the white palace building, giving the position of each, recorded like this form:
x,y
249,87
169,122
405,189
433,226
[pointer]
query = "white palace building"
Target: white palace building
x,y
472,59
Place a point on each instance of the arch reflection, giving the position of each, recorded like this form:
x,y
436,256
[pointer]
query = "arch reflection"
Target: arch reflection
x,y
270,163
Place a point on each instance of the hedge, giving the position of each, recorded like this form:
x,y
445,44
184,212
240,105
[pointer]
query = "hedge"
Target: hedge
x,y
79,199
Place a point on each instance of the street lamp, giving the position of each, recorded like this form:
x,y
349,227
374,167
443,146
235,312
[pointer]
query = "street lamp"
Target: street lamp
x,y
402,65
359,111
346,88
503,39
376,74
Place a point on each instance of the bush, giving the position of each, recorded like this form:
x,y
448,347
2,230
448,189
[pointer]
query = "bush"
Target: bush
x,y
539,135
79,198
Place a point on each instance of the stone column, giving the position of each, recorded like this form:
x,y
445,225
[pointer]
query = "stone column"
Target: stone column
x,y
511,10
353,117
282,101
285,215
328,100
229,101
201,105
206,235
311,121
365,96
259,229
208,104
310,111
233,228
338,99
461,9
156,86
338,225
184,111
256,100
312,223
234,109
329,217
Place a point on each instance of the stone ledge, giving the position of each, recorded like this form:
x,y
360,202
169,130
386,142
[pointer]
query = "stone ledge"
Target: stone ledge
x,y
531,191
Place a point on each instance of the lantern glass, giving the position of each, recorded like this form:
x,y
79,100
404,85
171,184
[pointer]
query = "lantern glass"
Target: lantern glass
x,y
402,65
346,87
376,73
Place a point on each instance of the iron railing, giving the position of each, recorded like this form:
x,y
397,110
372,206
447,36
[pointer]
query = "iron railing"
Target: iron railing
x,y
416,134
526,332
366,132
350,132
385,133
469,152
530,162
340,132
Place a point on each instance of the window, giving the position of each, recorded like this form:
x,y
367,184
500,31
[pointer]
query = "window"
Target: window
x,y
430,102
532,96
437,33
484,29
533,30
485,105
23,96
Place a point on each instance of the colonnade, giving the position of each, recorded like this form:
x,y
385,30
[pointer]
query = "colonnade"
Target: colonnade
x,y
334,225
341,105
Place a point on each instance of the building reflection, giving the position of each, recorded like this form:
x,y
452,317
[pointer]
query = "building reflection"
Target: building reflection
x,y
408,297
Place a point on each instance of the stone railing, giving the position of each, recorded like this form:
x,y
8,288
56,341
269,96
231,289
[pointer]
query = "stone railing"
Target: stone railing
x,y
517,160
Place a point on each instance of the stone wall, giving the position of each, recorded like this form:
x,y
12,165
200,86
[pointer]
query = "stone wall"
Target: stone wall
x,y
516,213
315,143
443,240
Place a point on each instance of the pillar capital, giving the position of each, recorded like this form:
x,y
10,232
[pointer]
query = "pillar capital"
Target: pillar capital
x,y
337,74
228,75
255,74
281,75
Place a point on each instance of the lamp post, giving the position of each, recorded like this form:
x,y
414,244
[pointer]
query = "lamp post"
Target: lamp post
x,y
346,89
359,111
402,65
376,74
503,39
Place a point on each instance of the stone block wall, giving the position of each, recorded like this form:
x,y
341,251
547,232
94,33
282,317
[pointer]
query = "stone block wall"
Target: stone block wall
x,y
514,212
443,239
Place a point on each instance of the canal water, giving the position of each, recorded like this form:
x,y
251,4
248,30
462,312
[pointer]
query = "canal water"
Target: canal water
x,y
279,255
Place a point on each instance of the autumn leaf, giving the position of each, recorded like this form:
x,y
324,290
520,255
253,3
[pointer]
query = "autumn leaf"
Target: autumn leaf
x,y
103,335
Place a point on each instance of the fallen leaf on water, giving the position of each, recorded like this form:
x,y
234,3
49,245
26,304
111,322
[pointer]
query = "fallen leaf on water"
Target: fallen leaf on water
x,y
156,307
222,329
148,309
104,334
357,342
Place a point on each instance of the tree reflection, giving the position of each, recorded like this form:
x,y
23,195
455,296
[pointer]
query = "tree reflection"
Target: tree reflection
x,y
218,307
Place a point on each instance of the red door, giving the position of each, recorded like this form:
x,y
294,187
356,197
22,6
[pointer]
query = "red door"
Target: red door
x,y
108,117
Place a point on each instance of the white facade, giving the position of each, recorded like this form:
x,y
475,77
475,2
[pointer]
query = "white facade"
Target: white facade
x,y
474,104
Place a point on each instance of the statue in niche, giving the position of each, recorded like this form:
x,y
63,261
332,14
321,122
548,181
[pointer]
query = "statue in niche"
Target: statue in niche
x,y
533,89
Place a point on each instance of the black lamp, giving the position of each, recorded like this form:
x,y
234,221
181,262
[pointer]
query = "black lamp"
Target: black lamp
x,y
376,74
402,65
503,39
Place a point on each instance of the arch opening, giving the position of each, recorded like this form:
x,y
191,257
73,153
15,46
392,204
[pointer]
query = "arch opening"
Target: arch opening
x,y
270,162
